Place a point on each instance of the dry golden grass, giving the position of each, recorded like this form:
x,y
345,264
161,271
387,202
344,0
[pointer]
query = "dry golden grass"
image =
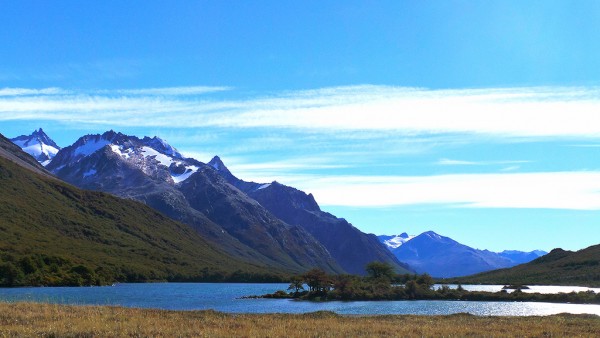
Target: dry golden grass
x,y
31,319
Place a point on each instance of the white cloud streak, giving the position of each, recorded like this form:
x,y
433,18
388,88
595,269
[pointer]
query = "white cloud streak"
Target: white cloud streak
x,y
551,190
283,166
513,112
171,91
451,162
447,161
32,92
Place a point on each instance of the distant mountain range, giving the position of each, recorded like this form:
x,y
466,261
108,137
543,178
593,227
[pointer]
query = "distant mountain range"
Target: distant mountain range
x,y
268,225
444,257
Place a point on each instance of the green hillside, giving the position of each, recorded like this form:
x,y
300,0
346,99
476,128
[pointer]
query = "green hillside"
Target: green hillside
x,y
52,233
559,267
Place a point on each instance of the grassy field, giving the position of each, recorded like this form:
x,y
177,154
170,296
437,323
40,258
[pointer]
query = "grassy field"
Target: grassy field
x,y
30,319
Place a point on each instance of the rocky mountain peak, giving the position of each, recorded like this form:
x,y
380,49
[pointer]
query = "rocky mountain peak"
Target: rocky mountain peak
x,y
162,146
217,164
39,145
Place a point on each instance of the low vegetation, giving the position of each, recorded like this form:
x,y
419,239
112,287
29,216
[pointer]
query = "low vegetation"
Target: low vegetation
x,y
382,283
47,320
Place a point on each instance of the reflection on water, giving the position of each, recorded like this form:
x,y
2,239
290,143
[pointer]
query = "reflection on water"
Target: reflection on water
x,y
225,297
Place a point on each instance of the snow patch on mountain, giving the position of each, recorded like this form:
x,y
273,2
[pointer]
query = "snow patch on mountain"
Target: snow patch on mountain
x,y
161,158
264,186
91,147
35,148
433,235
172,160
189,170
395,241
90,172
161,146
119,151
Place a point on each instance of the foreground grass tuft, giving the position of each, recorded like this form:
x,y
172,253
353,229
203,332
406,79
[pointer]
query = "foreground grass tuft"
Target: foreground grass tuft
x,y
47,320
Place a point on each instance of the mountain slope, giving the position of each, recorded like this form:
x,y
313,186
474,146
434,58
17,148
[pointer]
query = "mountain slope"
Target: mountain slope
x,y
151,171
559,267
14,153
350,247
38,145
58,234
210,193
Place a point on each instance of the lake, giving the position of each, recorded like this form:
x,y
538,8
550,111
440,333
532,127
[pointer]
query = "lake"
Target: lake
x,y
225,297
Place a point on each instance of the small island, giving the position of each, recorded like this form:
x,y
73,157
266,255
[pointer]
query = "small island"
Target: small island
x,y
382,283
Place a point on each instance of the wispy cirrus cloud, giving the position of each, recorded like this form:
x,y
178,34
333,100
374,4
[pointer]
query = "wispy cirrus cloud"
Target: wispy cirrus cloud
x,y
451,162
262,168
504,112
170,91
32,92
447,161
546,190
510,168
360,113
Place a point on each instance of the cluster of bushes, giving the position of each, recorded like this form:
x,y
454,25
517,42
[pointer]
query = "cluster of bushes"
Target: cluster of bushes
x,y
381,283
44,270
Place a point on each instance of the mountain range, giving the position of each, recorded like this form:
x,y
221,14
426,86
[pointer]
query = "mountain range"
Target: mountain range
x,y
52,233
269,225
444,257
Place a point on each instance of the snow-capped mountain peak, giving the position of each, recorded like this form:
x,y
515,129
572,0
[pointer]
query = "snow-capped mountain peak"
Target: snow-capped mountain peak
x,y
395,241
162,146
38,145
153,156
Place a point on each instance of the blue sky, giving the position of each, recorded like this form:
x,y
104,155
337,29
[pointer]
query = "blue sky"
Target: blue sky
x,y
478,120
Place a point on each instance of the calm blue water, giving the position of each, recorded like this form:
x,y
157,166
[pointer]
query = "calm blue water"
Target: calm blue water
x,y
225,298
